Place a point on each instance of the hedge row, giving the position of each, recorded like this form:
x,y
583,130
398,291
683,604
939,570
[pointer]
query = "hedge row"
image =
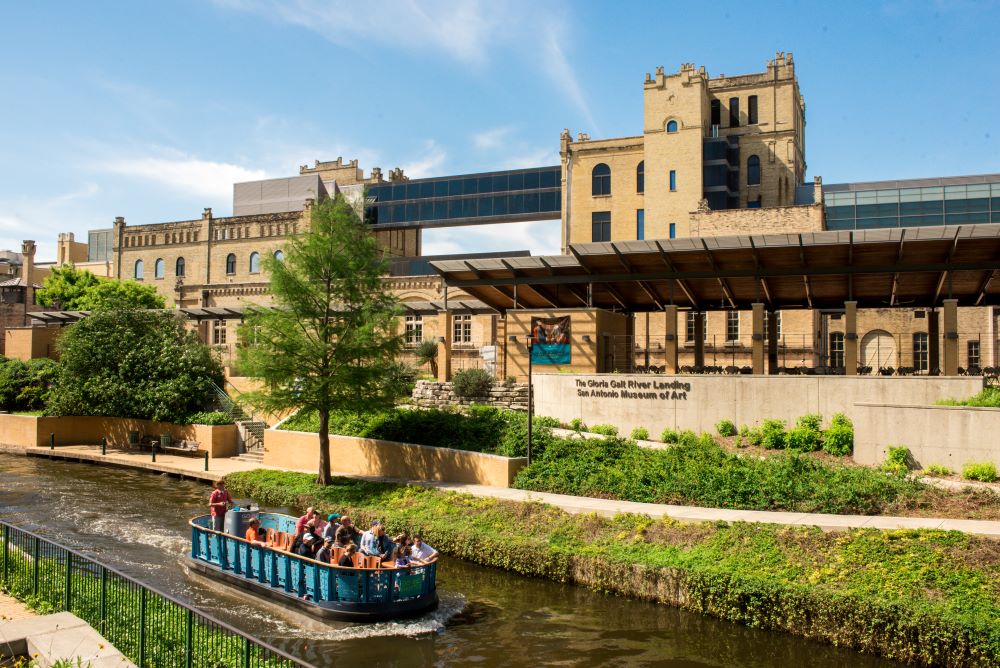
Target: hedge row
x,y
925,597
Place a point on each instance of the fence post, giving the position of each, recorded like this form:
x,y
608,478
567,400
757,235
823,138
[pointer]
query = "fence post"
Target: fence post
x,y
206,460
190,639
104,600
246,652
36,548
52,441
142,626
154,451
69,581
104,445
6,551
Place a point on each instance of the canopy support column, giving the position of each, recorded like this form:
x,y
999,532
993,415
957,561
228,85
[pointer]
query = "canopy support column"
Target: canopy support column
x,y
950,337
670,345
851,338
757,345
444,346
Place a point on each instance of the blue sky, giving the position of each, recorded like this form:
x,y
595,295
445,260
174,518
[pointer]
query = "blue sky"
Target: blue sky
x,y
152,110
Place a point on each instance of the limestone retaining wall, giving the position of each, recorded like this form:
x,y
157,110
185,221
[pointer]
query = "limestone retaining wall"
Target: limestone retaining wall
x,y
698,402
34,431
372,457
430,394
948,435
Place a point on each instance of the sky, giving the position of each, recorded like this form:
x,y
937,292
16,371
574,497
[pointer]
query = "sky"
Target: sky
x,y
152,111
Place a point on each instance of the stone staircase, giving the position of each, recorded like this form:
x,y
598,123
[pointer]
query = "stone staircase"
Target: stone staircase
x,y
251,428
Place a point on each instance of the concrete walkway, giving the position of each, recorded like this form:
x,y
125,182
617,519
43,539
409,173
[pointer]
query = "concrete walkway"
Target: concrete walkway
x,y
12,609
188,467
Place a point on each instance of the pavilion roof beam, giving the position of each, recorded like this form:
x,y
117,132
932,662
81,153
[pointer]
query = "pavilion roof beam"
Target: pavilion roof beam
x,y
496,288
680,282
646,287
534,288
805,275
757,266
895,276
983,286
944,273
722,282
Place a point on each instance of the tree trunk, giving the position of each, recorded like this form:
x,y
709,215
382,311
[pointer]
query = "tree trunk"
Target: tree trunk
x,y
324,448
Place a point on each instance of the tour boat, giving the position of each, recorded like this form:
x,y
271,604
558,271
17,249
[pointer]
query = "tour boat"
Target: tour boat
x,y
370,591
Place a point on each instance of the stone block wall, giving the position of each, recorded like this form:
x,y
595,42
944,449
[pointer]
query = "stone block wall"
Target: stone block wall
x,y
431,394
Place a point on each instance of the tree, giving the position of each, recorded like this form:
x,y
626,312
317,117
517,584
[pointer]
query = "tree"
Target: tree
x,y
133,363
73,289
329,341
426,352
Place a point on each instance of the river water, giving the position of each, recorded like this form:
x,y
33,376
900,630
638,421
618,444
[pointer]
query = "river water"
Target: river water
x,y
137,522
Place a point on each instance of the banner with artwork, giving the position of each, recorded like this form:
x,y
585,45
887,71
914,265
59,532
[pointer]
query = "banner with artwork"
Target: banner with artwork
x,y
550,340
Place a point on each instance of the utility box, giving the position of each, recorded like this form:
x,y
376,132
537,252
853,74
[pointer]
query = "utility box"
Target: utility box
x,y
237,521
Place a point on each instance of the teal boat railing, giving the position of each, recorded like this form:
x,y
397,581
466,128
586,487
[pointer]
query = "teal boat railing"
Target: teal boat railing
x,y
302,577
151,628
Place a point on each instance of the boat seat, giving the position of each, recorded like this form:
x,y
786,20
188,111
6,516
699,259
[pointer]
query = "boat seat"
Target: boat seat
x,y
338,552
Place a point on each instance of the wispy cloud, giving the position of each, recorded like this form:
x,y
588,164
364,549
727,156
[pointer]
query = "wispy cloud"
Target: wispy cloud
x,y
470,32
429,163
184,173
509,151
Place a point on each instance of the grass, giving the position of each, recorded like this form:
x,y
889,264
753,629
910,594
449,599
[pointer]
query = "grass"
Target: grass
x,y
926,597
988,398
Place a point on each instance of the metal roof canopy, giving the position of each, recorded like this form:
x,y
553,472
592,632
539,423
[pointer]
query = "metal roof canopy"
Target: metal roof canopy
x,y
461,306
900,267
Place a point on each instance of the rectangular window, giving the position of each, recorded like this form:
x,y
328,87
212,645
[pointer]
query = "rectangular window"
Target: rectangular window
x,y
732,325
716,113
734,112
414,331
777,323
600,223
673,180
920,347
837,350
690,326
673,230
462,330
219,332
752,110
973,359
640,224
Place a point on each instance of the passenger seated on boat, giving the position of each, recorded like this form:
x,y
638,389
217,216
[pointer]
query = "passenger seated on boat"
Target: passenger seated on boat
x,y
254,534
343,538
325,552
331,526
421,553
347,559
374,542
353,534
401,553
307,548
301,522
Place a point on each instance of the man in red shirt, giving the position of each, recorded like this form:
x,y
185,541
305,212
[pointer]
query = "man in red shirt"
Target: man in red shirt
x,y
218,503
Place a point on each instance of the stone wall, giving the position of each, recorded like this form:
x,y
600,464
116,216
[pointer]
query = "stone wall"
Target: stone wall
x,y
430,394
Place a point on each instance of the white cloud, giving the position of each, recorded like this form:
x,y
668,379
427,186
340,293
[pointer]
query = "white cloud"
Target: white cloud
x,y
492,139
540,237
428,164
508,151
186,174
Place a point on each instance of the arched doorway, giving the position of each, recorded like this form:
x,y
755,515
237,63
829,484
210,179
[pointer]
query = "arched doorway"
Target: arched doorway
x,y
878,350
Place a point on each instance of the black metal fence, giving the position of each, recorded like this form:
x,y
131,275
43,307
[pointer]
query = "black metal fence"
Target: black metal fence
x,y
149,627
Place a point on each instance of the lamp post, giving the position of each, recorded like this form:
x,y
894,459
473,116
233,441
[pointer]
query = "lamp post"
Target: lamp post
x,y
530,397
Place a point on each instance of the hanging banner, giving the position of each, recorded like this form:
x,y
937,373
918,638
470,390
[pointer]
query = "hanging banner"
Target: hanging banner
x,y
550,340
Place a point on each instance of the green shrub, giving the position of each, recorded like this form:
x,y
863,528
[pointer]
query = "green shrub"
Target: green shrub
x,y
898,460
773,434
838,440
988,398
725,428
983,472
510,381
753,436
426,352
604,429
209,418
640,434
937,470
24,386
841,420
698,471
472,383
813,421
576,424
669,435
802,438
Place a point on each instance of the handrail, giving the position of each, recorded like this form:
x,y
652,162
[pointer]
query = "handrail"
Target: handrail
x,y
64,600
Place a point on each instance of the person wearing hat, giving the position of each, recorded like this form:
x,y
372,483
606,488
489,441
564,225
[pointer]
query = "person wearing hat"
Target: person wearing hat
x,y
325,553
307,548
332,524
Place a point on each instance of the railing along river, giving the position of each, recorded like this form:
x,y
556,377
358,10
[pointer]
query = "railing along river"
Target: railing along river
x,y
148,626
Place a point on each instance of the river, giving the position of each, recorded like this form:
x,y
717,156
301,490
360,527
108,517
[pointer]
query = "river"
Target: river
x,y
137,522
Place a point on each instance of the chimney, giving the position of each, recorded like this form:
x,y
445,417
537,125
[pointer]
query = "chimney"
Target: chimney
x,y
28,271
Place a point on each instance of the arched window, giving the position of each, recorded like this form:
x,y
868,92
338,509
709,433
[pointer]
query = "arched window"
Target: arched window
x,y
255,262
602,180
640,177
231,264
179,267
279,256
158,268
753,171
138,270
671,126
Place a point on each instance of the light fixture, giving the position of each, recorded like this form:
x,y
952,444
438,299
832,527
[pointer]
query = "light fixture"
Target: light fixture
x,y
512,338
440,339
586,338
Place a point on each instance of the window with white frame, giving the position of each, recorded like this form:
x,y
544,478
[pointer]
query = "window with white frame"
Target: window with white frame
x,y
837,350
689,334
414,330
219,332
777,324
973,354
920,350
462,330
732,326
